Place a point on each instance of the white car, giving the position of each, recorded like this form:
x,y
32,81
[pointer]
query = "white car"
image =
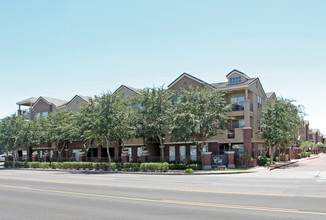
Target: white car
x,y
2,158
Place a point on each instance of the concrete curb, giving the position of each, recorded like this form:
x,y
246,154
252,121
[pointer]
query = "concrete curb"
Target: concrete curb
x,y
287,164
139,173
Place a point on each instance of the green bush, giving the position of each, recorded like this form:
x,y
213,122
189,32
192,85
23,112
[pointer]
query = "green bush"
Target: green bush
x,y
262,160
194,166
189,170
33,164
177,166
152,167
45,165
129,166
18,164
268,163
277,159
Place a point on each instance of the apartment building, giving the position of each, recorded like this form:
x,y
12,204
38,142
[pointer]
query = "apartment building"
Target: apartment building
x,y
242,134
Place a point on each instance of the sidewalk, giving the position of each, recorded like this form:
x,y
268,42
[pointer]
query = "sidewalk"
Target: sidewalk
x,y
287,163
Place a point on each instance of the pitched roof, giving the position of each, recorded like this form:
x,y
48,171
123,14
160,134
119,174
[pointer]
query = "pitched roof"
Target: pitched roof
x,y
28,101
53,101
269,94
191,77
85,98
226,85
138,91
239,72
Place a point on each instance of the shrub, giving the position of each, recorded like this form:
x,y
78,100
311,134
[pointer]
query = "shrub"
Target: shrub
x,y
152,167
33,164
268,163
262,160
177,166
129,166
45,165
189,170
194,166
277,159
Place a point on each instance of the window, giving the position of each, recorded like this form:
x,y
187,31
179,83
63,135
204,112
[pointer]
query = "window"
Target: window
x,y
171,153
235,80
238,102
45,114
259,101
193,153
237,124
182,152
139,151
36,115
129,152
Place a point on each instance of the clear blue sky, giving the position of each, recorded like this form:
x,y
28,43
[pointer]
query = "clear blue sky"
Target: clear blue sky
x,y
62,48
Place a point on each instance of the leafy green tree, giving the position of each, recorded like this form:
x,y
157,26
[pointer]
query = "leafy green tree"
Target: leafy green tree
x,y
307,145
154,115
199,114
280,121
12,133
85,125
59,129
113,120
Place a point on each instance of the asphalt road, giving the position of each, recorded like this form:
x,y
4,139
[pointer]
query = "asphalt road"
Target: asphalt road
x,y
296,192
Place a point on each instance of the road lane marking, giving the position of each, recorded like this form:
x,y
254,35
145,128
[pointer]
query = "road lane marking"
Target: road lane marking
x,y
171,189
188,203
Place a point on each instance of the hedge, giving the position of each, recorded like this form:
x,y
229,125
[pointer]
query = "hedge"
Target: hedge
x,y
153,167
129,166
64,165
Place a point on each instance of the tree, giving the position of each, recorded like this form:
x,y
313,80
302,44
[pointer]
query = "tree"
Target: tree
x,y
85,125
307,145
199,114
12,133
113,117
32,134
280,122
154,115
59,129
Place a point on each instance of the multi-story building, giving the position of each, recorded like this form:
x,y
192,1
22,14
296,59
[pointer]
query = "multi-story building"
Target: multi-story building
x,y
242,134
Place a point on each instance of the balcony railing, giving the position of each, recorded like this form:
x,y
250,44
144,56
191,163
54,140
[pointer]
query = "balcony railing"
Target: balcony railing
x,y
231,134
24,112
237,107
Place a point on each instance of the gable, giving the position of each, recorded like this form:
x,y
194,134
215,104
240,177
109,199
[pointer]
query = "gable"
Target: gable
x,y
75,104
125,92
185,81
234,74
257,88
41,106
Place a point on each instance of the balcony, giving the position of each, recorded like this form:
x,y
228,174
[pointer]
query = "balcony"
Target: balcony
x,y
240,107
24,112
237,107
231,134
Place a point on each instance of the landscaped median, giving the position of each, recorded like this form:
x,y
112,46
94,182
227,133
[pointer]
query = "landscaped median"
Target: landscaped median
x,y
102,166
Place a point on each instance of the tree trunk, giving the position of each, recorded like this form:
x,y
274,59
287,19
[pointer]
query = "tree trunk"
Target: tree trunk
x,y
162,148
13,158
108,151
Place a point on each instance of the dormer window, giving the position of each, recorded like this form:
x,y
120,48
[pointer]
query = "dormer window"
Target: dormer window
x,y
234,80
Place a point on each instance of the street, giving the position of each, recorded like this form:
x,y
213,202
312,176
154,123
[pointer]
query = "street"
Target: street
x,y
294,192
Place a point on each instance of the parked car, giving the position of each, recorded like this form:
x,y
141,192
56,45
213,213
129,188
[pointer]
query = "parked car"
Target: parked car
x,y
2,158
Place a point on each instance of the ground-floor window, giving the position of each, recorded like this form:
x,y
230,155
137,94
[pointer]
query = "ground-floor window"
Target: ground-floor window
x,y
171,153
129,149
75,154
182,151
193,153
239,150
139,153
